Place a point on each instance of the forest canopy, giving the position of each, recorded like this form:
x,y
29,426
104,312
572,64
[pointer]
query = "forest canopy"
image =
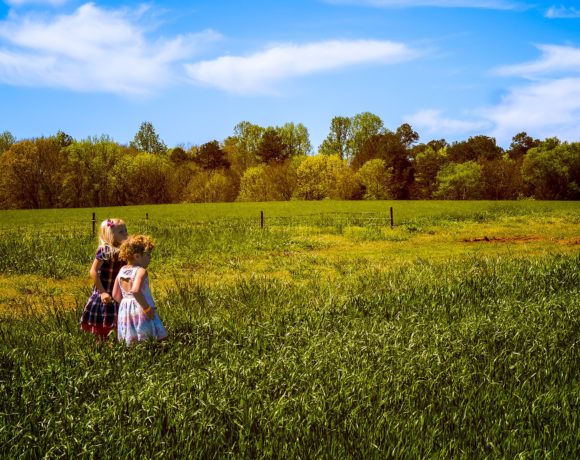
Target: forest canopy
x,y
359,159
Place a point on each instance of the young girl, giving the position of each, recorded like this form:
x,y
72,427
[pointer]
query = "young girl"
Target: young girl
x,y
138,319
100,313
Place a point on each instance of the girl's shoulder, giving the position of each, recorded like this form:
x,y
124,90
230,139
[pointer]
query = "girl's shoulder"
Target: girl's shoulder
x,y
104,253
128,270
109,254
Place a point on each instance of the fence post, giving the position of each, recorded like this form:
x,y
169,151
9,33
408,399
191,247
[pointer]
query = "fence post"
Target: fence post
x,y
392,221
94,223
147,218
261,219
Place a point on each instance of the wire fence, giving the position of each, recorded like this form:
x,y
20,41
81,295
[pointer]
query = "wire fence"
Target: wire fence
x,y
89,228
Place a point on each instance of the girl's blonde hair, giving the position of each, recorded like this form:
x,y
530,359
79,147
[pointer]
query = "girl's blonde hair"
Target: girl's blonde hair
x,y
137,244
106,236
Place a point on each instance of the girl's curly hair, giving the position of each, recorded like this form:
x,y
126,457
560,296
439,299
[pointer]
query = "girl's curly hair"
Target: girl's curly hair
x,y
137,244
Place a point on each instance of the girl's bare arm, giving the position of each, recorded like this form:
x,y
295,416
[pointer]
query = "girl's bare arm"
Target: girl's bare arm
x,y
117,292
94,272
136,291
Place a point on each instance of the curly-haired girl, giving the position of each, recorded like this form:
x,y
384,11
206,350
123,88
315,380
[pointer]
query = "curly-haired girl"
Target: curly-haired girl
x,y
137,319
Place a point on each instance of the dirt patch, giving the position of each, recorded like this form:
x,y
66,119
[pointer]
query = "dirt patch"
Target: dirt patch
x,y
504,239
521,239
569,241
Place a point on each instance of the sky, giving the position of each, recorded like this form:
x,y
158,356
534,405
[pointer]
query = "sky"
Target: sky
x,y
195,69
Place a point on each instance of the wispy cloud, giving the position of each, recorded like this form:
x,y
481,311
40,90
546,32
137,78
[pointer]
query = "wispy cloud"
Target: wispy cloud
x,y
486,4
549,104
92,49
555,59
544,109
36,2
546,105
432,121
562,12
259,72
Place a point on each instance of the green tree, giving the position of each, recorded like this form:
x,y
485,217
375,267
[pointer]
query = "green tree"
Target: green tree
x,y
209,186
247,138
6,141
272,182
551,171
211,156
144,179
459,181
33,173
179,156
271,148
520,145
295,138
63,139
364,127
407,135
147,140
254,185
338,140
473,149
21,177
376,179
501,178
325,176
388,147
88,179
427,165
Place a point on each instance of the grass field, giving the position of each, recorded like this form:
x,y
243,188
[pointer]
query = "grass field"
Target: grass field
x,y
325,334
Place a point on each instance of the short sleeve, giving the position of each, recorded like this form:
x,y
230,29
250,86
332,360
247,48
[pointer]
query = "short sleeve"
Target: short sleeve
x,y
102,254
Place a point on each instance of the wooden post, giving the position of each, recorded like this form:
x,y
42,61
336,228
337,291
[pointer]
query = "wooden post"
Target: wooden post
x,y
261,219
392,221
147,218
94,223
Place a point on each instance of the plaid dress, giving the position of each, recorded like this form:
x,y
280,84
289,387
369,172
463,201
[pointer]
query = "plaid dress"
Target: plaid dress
x,y
100,318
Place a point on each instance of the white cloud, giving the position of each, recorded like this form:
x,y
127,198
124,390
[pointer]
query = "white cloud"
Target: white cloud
x,y
562,12
546,105
554,59
259,72
92,49
543,109
487,4
433,122
36,2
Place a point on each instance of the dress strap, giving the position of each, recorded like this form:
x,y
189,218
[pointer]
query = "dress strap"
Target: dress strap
x,y
127,274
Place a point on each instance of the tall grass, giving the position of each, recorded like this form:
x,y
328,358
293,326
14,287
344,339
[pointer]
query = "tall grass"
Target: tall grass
x,y
57,243
470,356
464,359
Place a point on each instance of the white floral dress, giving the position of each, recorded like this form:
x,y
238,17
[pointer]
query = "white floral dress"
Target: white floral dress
x,y
132,323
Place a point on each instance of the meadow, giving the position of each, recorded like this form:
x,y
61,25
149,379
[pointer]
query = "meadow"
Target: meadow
x,y
325,334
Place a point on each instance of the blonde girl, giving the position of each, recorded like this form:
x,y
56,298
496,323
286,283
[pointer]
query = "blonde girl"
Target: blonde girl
x,y
100,313
138,319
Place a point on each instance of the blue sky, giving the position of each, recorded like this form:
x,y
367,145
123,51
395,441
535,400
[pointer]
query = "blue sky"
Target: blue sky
x,y
450,68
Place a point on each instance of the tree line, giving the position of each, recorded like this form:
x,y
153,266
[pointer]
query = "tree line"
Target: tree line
x,y
359,159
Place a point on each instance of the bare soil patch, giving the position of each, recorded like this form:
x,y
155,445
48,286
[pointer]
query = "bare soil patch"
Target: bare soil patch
x,y
521,239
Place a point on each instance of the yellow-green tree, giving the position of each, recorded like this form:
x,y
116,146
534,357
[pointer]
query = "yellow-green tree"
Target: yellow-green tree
x,y
21,176
273,182
552,170
144,179
376,179
32,174
460,181
209,187
88,177
324,176
427,165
